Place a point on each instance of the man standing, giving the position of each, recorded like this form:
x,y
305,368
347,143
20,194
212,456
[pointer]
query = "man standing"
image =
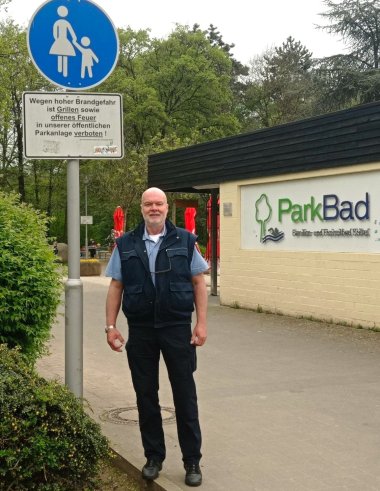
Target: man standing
x,y
92,248
157,278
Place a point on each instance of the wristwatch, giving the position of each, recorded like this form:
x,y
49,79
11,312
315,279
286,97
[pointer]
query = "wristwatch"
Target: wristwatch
x,y
108,328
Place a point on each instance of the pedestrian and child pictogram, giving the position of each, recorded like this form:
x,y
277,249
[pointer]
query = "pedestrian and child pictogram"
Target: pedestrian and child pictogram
x,y
73,44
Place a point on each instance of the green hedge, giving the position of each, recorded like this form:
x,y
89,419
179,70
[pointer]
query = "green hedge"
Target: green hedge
x,y
30,283
47,441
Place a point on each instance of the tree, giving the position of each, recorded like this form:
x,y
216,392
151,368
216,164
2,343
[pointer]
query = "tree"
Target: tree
x,y
239,71
352,78
290,81
258,102
3,4
144,114
16,75
38,182
119,183
216,39
358,24
192,81
282,86
176,91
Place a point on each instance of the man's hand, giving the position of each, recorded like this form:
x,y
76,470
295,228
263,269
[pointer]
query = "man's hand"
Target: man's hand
x,y
199,334
115,291
200,299
115,340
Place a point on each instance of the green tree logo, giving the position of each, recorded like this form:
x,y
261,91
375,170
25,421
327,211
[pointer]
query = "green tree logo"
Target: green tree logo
x,y
263,214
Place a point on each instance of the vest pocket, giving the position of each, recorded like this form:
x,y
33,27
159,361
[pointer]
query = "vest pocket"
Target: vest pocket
x,y
177,257
181,296
133,299
128,254
178,251
130,268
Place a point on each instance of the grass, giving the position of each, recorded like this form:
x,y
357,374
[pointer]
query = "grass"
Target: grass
x,y
111,478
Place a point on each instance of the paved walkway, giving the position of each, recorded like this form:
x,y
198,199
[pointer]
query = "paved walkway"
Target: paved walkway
x,y
285,404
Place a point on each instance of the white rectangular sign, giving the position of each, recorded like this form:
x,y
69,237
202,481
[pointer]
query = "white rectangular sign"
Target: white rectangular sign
x,y
61,125
86,220
333,214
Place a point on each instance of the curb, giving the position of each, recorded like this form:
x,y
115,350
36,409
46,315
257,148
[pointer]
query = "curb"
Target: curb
x,y
159,484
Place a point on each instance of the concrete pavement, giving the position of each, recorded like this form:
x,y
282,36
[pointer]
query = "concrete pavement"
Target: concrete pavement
x,y
285,404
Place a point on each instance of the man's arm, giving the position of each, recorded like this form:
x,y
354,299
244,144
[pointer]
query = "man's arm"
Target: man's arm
x,y
200,299
113,302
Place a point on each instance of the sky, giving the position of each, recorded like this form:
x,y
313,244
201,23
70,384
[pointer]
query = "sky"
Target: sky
x,y
252,25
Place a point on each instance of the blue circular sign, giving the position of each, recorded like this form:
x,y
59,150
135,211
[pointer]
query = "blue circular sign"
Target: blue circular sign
x,y
73,43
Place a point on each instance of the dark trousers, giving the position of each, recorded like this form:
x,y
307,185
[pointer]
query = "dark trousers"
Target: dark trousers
x,y
143,349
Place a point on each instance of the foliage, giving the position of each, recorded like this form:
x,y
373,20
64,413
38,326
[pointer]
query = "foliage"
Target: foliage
x,y
17,74
216,39
348,79
176,92
290,80
47,441
177,86
4,3
192,81
239,71
358,24
281,87
180,90
30,283
122,186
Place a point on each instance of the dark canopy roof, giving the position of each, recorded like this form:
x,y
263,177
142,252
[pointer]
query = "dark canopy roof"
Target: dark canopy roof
x,y
337,139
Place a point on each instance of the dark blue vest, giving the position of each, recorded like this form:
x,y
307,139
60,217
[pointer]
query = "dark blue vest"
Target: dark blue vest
x,y
171,300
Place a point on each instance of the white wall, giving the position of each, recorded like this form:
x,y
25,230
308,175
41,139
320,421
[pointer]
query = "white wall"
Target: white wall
x,y
333,286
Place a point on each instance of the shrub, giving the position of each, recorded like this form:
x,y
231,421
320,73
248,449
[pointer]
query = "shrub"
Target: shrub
x,y
202,249
47,441
29,280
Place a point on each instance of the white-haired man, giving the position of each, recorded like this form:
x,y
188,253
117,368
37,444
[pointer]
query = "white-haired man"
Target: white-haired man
x,y
157,278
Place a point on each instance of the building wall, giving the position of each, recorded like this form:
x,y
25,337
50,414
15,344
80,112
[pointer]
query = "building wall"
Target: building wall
x,y
332,286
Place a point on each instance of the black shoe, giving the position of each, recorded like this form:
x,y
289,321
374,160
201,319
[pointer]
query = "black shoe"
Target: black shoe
x,y
151,469
193,475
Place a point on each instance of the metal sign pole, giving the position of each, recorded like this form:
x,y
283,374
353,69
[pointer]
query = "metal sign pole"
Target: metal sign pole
x,y
73,287
214,242
85,201
74,137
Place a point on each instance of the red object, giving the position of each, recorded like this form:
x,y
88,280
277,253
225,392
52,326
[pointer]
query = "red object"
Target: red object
x,y
190,214
118,222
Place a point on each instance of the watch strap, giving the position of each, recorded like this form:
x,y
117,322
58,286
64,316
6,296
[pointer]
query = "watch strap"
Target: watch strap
x,y
109,328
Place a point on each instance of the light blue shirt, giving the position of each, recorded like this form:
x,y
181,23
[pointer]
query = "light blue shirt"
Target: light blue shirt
x,y
198,264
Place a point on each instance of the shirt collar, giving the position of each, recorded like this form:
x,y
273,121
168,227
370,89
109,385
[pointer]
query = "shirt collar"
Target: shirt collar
x,y
146,235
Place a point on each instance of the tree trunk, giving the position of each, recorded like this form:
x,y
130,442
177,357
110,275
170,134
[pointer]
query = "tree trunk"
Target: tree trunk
x,y
19,143
36,185
49,206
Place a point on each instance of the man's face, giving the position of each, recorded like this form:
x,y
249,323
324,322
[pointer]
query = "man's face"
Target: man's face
x,y
154,208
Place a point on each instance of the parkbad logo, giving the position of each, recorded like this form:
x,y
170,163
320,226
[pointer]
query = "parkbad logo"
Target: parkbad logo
x,y
330,209
263,215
